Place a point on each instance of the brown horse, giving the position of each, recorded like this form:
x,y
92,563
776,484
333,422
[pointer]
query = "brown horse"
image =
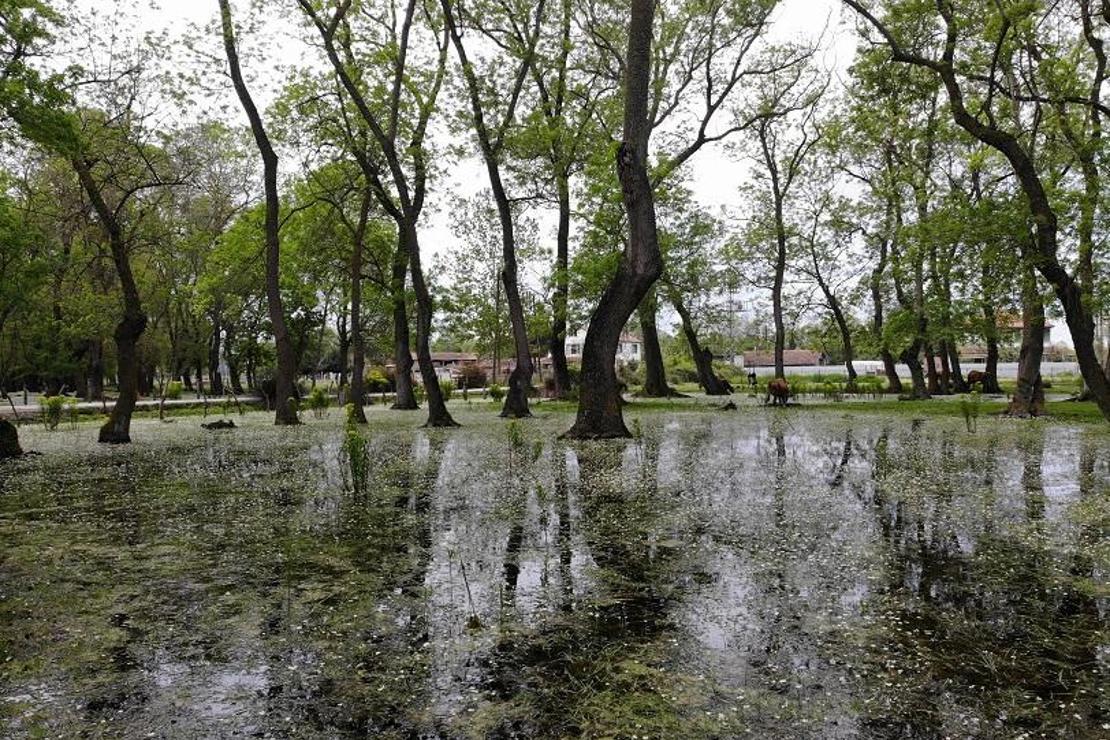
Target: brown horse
x,y
778,392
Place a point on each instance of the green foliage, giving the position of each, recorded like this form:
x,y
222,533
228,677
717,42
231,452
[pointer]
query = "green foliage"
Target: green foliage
x,y
447,389
318,402
970,407
496,392
53,408
174,389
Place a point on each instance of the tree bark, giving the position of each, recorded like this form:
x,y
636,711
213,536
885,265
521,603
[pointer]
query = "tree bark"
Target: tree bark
x,y
94,374
117,430
404,398
894,383
285,413
655,376
599,405
215,380
438,416
703,358
343,336
1028,400
520,379
562,291
358,345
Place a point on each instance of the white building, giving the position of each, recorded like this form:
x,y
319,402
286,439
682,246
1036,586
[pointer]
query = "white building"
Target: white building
x,y
631,348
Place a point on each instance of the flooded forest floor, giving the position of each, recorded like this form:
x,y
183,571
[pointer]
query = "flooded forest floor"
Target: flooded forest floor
x,y
772,573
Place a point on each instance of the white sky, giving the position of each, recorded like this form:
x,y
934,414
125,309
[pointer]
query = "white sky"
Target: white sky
x,y
715,174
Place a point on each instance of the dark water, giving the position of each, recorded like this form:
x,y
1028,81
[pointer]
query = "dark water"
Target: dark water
x,y
765,574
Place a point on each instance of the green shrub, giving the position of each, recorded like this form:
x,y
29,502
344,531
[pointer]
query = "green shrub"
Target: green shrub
x,y
318,402
496,392
174,388
378,381
447,389
52,408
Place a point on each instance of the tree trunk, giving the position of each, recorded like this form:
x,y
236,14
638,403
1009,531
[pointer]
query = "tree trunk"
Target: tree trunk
x,y
841,322
284,380
117,430
562,290
655,377
438,416
9,441
599,405
945,376
1028,400
776,292
404,397
520,379
990,382
894,383
215,379
959,384
931,368
912,359
703,358
344,340
358,345
94,375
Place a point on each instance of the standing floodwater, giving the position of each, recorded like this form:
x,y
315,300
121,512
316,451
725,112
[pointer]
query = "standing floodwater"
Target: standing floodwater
x,y
761,574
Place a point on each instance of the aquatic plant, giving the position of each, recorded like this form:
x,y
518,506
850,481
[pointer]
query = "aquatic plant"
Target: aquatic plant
x,y
970,407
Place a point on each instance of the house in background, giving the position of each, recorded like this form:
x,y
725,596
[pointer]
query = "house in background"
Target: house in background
x,y
448,365
630,348
790,358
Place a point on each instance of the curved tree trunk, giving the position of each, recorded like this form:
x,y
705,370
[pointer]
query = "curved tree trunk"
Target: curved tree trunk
x,y
438,416
358,360
404,397
117,430
912,359
703,358
286,359
599,405
520,379
562,291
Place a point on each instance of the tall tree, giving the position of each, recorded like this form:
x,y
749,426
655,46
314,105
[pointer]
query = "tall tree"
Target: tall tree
x,y
396,110
492,115
599,406
284,379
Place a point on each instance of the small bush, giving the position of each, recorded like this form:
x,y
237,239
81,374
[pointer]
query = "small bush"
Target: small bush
x,y
318,402
447,389
472,376
496,392
174,389
378,380
52,408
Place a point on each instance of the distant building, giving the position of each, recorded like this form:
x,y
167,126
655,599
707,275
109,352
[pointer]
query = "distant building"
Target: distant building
x,y
790,358
448,365
630,348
